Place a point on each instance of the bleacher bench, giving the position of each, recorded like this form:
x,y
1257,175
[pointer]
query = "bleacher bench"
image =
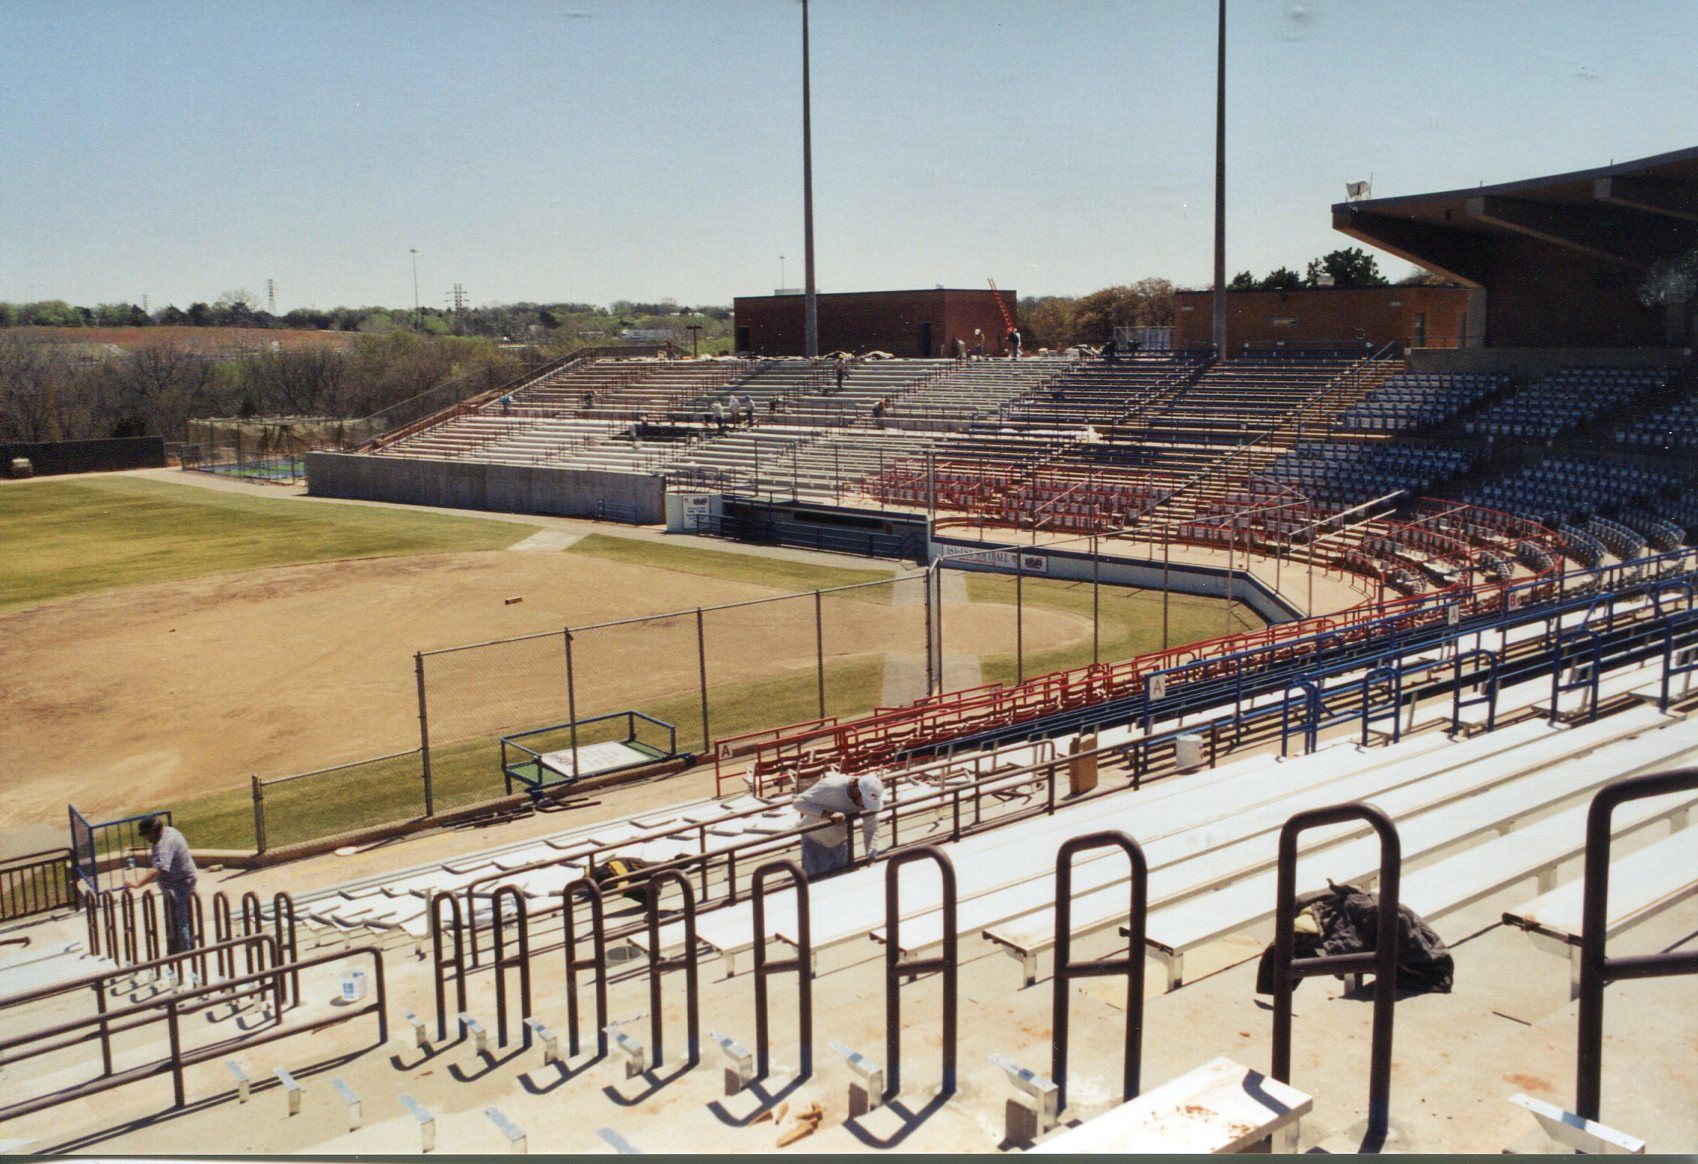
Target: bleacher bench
x,y
1222,1106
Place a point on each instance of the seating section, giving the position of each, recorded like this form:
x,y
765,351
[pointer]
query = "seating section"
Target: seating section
x,y
1411,400
1340,474
1565,399
1671,429
1564,488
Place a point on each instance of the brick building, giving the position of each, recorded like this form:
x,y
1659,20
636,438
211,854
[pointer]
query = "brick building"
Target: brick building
x,y
903,323
1414,317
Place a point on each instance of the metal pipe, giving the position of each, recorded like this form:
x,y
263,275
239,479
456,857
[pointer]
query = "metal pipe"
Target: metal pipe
x,y
895,970
1382,960
587,889
501,962
1597,969
1131,966
802,964
659,965
440,966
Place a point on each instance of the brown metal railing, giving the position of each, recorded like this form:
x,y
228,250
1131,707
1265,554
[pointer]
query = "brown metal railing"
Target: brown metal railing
x,y
1597,968
895,969
596,962
1131,966
765,967
35,883
170,1009
659,965
1381,961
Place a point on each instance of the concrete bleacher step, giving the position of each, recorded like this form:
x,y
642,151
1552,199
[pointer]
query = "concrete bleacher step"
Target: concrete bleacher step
x,y
1174,930
850,905
1641,885
1220,1107
1209,854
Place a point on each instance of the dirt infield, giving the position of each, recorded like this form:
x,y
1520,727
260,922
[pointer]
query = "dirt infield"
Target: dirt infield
x,y
143,696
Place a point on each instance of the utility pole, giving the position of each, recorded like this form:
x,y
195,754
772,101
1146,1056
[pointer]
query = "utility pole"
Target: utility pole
x,y
271,296
695,330
414,251
1220,190
810,304
458,297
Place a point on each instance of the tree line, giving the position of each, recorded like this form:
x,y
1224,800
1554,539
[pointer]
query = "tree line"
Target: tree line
x,y
553,323
52,391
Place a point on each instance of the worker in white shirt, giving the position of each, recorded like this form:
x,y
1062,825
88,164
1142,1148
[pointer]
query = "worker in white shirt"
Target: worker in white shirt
x,y
833,800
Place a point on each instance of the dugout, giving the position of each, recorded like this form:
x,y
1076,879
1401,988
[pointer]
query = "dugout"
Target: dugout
x,y
51,458
873,533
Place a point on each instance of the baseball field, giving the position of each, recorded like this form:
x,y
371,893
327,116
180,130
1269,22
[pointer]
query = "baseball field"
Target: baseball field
x,y
163,641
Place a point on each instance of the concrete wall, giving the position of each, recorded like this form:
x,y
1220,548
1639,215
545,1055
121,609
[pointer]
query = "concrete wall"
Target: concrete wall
x,y
98,456
1533,362
1182,578
1372,315
629,497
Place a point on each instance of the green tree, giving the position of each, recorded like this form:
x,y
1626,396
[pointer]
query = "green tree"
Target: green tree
x,y
1281,279
1350,267
1243,281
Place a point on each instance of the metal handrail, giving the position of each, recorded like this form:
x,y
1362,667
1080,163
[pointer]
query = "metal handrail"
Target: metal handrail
x,y
1131,966
659,965
802,964
1381,961
1597,968
172,1007
895,969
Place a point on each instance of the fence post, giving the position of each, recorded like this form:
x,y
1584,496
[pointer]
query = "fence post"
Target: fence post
x,y
259,813
931,663
819,647
701,670
1096,599
1019,620
424,735
571,699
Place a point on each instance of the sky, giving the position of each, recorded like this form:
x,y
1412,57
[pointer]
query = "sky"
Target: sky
x,y
595,150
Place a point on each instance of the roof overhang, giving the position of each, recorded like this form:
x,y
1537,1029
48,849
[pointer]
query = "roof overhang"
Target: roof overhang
x,y
1629,215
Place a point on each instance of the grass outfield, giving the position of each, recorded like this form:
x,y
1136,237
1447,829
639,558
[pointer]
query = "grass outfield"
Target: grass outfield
x,y
1130,622
779,573
71,537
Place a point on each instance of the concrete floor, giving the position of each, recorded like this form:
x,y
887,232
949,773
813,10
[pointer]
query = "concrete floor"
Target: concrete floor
x,y
1508,1027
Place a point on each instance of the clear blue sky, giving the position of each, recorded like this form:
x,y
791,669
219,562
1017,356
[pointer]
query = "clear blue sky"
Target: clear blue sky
x,y
604,149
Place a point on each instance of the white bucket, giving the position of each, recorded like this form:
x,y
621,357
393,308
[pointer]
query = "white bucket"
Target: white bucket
x,y
1188,752
354,986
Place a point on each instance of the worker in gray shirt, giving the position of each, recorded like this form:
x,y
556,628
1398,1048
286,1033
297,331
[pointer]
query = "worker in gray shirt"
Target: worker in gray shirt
x,y
174,868
831,802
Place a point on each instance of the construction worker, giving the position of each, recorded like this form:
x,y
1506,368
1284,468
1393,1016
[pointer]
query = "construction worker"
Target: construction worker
x,y
830,803
978,344
1014,343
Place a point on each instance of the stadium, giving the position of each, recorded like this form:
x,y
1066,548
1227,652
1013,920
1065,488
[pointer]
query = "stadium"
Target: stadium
x,y
1180,669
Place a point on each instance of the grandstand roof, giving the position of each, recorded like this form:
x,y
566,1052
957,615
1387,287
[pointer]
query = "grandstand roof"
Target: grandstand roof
x,y
1630,214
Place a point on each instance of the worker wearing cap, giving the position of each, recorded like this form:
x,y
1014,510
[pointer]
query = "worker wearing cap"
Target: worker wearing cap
x,y
830,803
174,868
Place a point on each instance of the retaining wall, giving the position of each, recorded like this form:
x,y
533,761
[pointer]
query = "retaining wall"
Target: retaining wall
x,y
560,492
1182,577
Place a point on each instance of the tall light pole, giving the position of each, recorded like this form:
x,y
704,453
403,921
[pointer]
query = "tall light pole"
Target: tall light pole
x,y
414,251
1220,190
810,305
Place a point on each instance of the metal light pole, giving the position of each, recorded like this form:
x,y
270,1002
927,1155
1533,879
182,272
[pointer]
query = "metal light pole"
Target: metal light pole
x,y
1220,190
810,304
414,251
695,330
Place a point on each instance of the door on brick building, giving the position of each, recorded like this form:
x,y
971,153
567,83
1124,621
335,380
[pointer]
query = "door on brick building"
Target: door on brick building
x,y
742,339
924,346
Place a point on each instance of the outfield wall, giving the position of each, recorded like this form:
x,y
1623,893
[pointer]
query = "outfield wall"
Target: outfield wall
x,y
1182,577
631,497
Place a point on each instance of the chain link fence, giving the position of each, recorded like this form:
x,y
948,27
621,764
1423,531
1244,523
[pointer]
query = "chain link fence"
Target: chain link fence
x,y
717,673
